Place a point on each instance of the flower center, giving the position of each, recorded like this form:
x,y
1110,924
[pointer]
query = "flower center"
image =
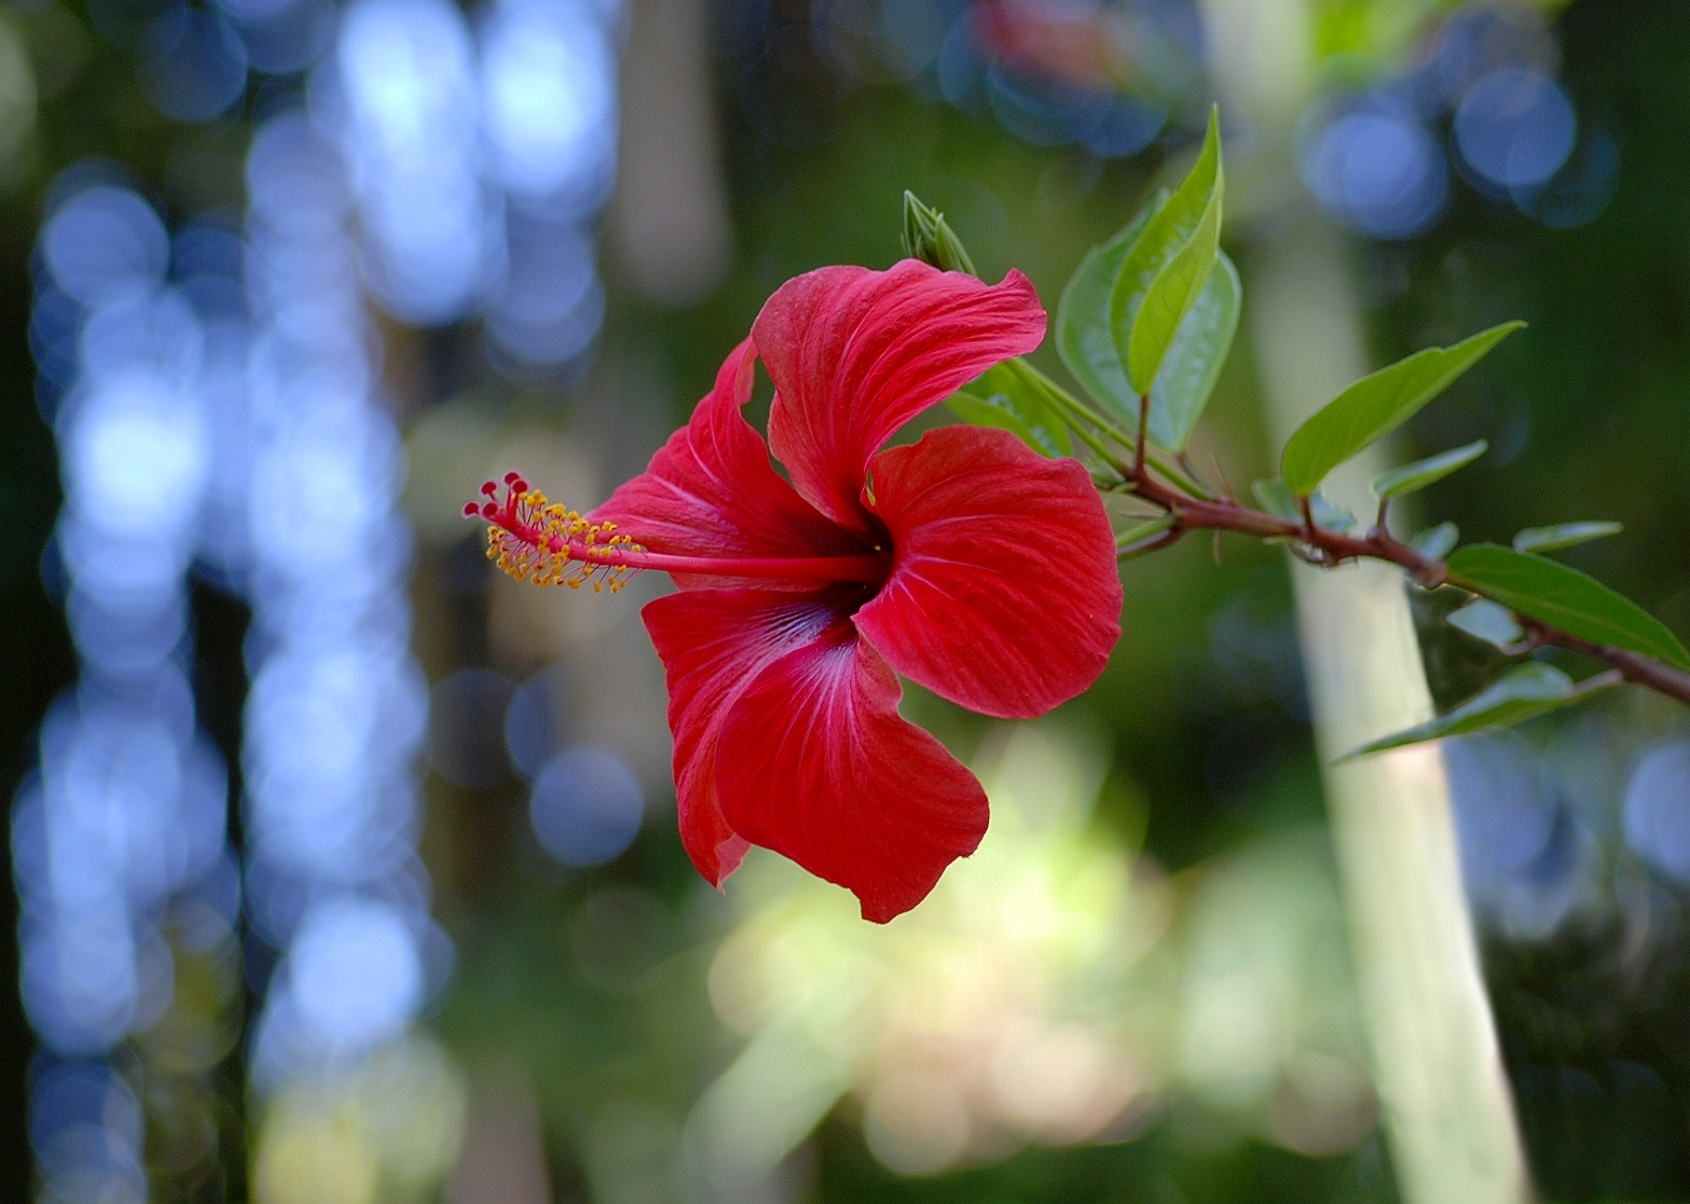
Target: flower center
x,y
537,540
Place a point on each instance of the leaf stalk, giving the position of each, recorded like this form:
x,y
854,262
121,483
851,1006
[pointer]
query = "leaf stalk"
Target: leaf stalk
x,y
1330,548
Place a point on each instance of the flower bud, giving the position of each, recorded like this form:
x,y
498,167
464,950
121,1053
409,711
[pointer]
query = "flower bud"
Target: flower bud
x,y
929,238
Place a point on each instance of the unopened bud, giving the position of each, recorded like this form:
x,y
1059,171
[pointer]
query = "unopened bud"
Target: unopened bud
x,y
929,237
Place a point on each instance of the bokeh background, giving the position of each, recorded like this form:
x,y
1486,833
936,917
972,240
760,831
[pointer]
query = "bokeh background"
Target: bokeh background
x,y
346,871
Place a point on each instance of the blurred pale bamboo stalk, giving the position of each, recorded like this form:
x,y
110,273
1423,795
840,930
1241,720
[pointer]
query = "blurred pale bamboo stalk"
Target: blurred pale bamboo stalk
x,y
1444,1096
1436,1063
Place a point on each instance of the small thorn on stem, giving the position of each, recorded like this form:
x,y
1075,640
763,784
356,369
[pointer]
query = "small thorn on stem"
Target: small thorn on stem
x,y
1433,575
1380,532
1220,475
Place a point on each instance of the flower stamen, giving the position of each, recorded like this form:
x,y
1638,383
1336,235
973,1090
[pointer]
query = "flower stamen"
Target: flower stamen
x,y
537,540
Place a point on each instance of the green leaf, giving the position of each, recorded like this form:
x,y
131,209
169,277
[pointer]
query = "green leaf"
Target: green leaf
x,y
1276,498
929,237
1195,358
1128,540
1084,338
1177,268
1563,597
1014,390
1434,543
1376,405
1169,231
1564,535
995,411
1086,342
1412,478
1485,620
1524,691
1035,395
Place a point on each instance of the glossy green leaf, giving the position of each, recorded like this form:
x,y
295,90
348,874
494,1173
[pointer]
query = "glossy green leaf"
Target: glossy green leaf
x,y
1005,398
1485,620
1376,405
1434,543
1034,396
1563,535
1168,231
1412,478
1195,358
995,411
1563,597
1170,265
1084,337
1521,693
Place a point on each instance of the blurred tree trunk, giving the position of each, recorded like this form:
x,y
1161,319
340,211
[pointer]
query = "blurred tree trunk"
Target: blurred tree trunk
x,y
670,221
1444,1096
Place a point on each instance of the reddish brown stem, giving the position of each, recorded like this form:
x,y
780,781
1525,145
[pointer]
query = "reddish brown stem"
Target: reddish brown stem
x,y
1633,666
1336,547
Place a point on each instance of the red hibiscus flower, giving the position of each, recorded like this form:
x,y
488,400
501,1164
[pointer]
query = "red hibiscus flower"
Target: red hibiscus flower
x,y
965,561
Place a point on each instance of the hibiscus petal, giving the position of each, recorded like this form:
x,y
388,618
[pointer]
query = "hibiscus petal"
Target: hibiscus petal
x,y
711,490
816,763
712,643
1004,595
855,354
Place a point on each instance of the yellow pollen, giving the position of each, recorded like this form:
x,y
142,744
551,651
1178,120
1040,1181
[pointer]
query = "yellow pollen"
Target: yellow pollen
x,y
538,550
